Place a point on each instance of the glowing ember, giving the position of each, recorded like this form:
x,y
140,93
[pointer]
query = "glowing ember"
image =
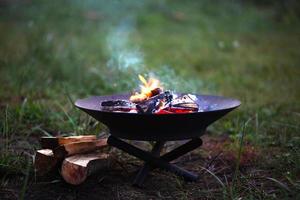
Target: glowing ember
x,y
149,89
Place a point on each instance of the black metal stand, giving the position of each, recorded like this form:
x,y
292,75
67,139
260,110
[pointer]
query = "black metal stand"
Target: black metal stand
x,y
153,159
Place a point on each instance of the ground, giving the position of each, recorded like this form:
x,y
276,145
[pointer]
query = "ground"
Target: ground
x,y
54,52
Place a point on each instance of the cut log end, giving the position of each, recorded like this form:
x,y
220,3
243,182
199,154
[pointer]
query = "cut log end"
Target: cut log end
x,y
72,173
44,162
75,169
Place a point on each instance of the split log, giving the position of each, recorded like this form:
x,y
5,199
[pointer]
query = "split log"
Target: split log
x,y
54,142
44,162
78,147
75,169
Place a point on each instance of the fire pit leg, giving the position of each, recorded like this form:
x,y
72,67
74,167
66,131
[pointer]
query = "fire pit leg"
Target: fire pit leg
x,y
149,158
144,171
172,155
183,149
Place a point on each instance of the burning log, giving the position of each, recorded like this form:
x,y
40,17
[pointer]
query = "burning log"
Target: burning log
x,y
154,103
77,168
152,99
149,106
117,105
44,162
156,91
54,142
149,89
79,147
162,103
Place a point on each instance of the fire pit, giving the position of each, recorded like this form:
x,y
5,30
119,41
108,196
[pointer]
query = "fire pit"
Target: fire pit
x,y
146,126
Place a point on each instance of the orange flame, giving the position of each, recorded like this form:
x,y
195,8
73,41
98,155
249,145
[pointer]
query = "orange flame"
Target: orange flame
x,y
146,89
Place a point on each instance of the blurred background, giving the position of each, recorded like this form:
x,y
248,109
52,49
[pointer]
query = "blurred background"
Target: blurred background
x,y
53,52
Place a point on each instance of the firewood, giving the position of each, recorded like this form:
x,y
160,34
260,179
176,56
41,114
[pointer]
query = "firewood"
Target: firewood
x,y
78,148
44,162
53,142
75,169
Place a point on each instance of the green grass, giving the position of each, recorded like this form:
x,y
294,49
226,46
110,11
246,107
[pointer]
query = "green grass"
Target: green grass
x,y
54,52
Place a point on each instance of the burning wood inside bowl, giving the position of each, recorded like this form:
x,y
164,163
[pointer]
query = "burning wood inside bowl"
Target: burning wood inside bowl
x,y
152,99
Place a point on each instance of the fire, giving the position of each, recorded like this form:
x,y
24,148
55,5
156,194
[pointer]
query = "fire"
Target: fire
x,y
151,99
149,88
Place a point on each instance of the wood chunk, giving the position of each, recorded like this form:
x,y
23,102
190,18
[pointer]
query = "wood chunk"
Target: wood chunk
x,y
117,106
115,103
53,142
156,91
79,148
44,162
75,169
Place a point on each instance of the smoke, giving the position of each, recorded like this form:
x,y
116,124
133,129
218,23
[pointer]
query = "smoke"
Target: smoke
x,y
126,59
124,56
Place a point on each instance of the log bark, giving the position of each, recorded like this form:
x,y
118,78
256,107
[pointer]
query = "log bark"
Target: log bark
x,y
54,142
78,147
45,162
75,169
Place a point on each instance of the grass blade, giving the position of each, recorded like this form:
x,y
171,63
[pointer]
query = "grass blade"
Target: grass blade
x,y
240,151
43,131
215,176
279,183
25,184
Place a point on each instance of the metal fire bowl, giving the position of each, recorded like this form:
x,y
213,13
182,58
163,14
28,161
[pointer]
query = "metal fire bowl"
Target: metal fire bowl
x,y
154,127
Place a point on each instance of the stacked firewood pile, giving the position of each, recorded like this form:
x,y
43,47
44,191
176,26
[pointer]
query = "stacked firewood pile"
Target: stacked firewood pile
x,y
75,157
